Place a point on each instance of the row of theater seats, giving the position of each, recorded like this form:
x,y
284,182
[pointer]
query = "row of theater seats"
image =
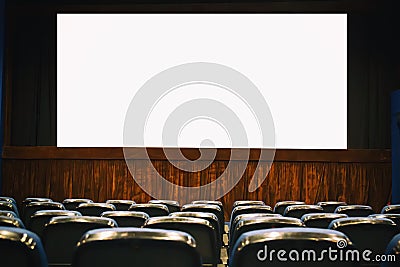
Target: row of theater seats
x,y
79,232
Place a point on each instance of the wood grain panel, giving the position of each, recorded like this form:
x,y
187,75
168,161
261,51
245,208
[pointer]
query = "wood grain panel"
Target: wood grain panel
x,y
100,179
309,155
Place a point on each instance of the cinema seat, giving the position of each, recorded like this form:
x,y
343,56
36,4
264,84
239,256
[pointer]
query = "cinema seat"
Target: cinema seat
x,y
297,211
249,215
121,204
33,207
61,235
40,218
11,222
173,206
201,230
394,217
94,209
8,199
260,248
330,206
282,205
393,251
258,223
211,218
36,199
8,206
209,202
20,248
7,213
73,203
355,210
153,210
28,200
367,233
136,247
211,208
238,203
393,209
127,218
320,220
239,210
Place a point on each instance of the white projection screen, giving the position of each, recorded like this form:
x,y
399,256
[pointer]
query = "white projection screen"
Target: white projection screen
x,y
298,63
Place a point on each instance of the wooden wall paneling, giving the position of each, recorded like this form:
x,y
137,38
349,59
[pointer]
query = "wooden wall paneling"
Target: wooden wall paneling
x,y
366,181
380,186
83,175
53,175
311,184
122,186
143,170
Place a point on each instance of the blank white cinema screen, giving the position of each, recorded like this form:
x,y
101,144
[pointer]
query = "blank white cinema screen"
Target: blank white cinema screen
x,y
296,62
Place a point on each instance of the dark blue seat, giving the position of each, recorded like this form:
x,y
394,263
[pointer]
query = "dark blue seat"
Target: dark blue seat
x,y
73,203
136,247
153,210
262,248
127,218
330,206
61,235
11,222
355,210
392,253
121,204
282,205
320,220
367,233
21,248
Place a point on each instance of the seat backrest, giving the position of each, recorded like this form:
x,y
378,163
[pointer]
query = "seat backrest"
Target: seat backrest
x,y
121,204
8,199
7,213
11,222
21,248
136,247
73,203
367,233
297,211
153,210
211,208
201,230
249,215
173,206
393,252
61,235
249,209
298,246
40,218
8,206
394,209
211,218
282,205
127,218
392,216
211,202
238,203
355,210
320,220
33,207
259,223
36,199
94,209
330,206
28,200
